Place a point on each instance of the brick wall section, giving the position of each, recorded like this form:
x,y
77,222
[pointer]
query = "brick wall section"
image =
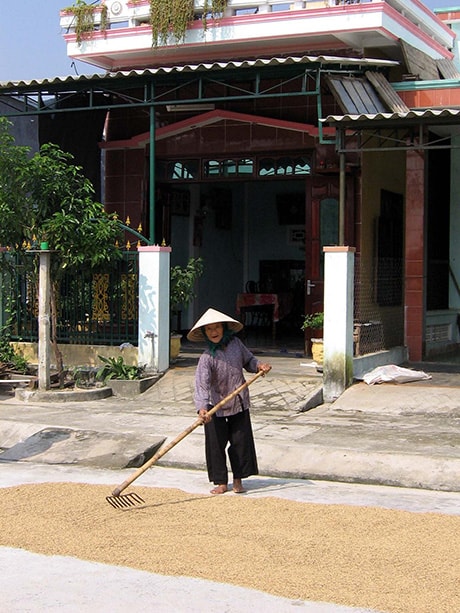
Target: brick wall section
x,y
414,255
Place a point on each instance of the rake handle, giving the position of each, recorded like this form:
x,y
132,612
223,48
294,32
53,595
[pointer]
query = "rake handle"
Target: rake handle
x,y
199,422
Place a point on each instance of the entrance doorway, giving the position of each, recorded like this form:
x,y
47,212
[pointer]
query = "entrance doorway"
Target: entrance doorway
x,y
261,242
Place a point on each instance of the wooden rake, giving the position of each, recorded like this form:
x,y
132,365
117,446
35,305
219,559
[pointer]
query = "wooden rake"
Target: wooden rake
x,y
119,501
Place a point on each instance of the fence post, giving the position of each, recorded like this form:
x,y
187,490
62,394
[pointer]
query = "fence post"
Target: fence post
x,y
154,307
338,321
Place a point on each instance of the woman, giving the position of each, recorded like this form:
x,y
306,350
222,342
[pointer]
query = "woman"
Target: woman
x,y
220,372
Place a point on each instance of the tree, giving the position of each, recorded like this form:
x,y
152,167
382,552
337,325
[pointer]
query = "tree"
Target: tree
x,y
14,161
182,288
46,197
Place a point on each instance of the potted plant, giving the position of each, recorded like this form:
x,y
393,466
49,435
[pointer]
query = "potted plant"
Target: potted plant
x,y
182,292
125,380
313,326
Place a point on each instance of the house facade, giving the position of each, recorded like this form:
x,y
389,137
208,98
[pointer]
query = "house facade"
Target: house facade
x,y
273,130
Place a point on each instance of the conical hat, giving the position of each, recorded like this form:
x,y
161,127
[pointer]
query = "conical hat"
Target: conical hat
x,y
212,317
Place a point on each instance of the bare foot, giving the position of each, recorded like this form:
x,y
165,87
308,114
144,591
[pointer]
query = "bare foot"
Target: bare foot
x,y
219,489
238,487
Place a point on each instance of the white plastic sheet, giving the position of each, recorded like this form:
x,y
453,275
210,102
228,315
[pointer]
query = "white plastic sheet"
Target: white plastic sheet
x,y
391,373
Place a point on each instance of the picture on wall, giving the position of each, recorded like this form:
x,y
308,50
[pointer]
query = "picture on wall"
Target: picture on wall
x,y
291,208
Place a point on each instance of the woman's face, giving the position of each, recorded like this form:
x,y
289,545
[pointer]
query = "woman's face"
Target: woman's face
x,y
214,332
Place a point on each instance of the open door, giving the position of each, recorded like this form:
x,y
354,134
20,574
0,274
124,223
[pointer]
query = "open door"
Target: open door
x,y
322,229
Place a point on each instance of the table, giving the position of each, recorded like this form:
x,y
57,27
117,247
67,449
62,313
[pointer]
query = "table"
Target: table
x,y
276,305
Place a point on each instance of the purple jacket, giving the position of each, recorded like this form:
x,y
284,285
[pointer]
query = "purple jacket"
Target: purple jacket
x,y
218,376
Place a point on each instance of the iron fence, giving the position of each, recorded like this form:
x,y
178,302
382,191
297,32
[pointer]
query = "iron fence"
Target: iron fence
x,y
99,308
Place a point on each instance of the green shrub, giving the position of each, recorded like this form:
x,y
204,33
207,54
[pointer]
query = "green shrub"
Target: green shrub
x,y
9,356
115,368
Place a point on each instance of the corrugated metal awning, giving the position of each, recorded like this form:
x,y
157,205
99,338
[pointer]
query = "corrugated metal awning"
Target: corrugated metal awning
x,y
326,60
411,130
426,116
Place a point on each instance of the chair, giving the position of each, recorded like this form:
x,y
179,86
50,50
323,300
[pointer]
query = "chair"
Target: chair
x,y
257,316
252,287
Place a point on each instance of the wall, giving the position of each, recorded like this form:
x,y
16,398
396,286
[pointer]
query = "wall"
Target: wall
x,y
385,170
222,223
124,185
268,240
79,355
231,246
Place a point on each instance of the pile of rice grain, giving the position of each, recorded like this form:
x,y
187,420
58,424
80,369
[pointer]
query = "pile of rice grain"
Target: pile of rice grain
x,y
389,560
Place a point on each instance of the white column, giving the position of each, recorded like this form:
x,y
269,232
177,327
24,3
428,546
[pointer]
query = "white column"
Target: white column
x,y
44,321
154,308
338,321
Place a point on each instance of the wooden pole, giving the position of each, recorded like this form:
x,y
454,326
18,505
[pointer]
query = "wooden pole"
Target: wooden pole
x,y
199,422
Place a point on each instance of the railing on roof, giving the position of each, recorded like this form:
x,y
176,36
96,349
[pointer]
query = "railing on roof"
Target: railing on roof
x,y
126,14
130,15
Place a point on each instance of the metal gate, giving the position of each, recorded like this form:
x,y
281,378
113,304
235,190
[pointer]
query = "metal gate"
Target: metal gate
x,y
99,308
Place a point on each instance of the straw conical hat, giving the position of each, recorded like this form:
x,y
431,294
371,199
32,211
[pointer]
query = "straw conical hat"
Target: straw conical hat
x,y
212,317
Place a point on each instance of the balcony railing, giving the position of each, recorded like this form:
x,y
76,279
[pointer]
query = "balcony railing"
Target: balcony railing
x,y
129,14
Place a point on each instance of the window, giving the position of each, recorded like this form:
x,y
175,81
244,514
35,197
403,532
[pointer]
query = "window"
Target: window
x,y
228,168
232,168
284,166
186,170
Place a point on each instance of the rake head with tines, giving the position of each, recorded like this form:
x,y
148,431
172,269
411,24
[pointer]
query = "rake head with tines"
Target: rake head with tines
x,y
125,500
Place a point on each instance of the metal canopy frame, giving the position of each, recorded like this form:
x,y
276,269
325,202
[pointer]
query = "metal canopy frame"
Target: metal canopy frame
x,y
391,134
47,98
111,91
243,80
402,138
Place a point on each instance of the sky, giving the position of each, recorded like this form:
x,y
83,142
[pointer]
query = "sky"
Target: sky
x,y
32,45
31,42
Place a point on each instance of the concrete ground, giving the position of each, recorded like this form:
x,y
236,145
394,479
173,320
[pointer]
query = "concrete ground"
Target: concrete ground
x,y
406,435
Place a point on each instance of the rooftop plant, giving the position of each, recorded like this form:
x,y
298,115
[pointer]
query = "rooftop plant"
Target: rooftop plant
x,y
85,18
167,17
174,17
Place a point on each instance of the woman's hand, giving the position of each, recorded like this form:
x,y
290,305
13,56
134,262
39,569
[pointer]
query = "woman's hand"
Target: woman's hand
x,y
205,417
264,367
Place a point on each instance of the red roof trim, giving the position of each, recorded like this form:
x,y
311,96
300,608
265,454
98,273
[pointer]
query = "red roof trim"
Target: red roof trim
x,y
205,119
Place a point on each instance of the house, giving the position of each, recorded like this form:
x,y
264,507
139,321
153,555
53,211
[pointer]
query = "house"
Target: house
x,y
273,130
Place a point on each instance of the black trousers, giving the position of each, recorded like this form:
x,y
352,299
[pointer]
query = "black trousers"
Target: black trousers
x,y
235,431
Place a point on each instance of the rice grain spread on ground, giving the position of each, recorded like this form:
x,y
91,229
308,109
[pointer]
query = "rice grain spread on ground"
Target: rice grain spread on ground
x,y
389,560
